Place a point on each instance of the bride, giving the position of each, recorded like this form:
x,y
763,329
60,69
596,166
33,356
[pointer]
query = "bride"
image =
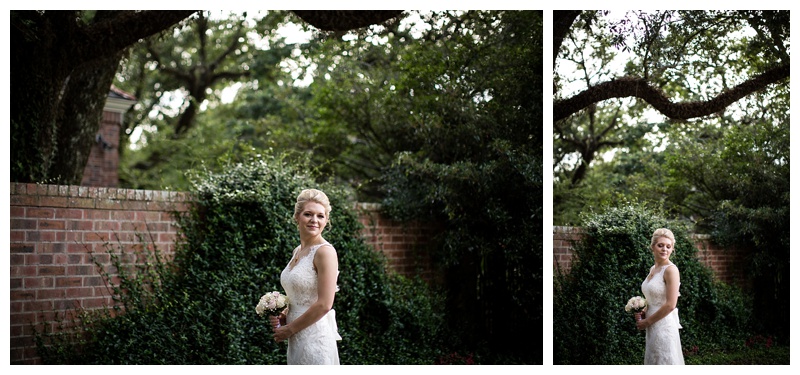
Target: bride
x,y
660,318
310,283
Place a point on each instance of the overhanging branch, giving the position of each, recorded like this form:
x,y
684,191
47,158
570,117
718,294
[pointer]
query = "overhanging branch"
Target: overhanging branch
x,y
640,88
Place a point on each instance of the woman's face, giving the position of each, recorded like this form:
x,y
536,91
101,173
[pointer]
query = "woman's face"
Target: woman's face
x,y
662,249
311,219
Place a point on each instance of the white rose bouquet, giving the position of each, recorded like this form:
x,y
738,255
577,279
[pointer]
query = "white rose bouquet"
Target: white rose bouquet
x,y
272,303
635,305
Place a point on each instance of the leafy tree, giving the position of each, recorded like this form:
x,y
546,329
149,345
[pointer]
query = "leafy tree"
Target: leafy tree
x,y
662,59
477,170
674,55
269,111
61,81
195,66
213,66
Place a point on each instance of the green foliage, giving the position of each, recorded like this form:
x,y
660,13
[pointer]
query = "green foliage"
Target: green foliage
x,y
773,355
691,56
171,138
739,183
612,259
200,308
476,167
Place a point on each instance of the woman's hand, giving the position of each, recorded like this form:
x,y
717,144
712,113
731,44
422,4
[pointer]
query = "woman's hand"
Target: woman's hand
x,y
281,333
638,316
280,320
642,324
279,329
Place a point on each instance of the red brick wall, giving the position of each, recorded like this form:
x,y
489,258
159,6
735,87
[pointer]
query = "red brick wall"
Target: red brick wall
x,y
54,229
402,244
562,246
727,264
101,168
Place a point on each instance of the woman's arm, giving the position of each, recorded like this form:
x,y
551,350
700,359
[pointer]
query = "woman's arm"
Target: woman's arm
x,y
672,278
327,266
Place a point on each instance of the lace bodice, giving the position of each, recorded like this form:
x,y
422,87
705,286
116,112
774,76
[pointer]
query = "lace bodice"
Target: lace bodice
x,y
662,337
655,288
316,344
301,285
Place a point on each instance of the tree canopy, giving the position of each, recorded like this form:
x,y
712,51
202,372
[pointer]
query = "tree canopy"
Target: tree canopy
x,y
60,83
667,45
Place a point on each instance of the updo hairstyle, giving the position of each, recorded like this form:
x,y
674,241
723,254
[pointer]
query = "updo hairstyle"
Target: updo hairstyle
x,y
662,232
316,196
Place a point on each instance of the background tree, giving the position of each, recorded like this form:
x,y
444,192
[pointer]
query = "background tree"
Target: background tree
x,y
72,56
659,60
477,170
178,76
199,77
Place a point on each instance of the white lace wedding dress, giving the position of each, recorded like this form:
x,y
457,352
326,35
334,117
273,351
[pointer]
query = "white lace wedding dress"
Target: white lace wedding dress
x,y
316,344
662,338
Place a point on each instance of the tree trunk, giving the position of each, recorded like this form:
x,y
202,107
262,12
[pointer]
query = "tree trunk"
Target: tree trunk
x,y
81,117
62,68
39,72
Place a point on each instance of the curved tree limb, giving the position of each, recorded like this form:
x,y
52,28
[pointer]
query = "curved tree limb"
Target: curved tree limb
x,y
640,88
123,28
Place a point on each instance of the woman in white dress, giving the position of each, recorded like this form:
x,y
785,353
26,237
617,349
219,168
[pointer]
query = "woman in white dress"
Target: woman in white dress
x,y
660,318
309,324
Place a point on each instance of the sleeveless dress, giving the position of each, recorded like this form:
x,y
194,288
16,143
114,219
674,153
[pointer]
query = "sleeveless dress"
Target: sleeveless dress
x,y
316,344
663,339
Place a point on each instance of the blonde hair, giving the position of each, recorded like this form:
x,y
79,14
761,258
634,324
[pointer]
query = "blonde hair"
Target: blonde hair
x,y
662,232
316,196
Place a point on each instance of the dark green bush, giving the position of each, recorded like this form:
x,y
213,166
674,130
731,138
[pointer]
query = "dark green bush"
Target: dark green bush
x,y
200,308
590,325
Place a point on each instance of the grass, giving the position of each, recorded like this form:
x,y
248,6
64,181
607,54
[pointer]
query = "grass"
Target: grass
x,y
775,355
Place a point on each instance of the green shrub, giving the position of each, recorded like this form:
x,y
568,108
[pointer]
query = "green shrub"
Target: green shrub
x,y
590,325
200,308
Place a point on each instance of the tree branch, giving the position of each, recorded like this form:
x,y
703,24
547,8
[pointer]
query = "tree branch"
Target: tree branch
x,y
344,20
640,88
124,28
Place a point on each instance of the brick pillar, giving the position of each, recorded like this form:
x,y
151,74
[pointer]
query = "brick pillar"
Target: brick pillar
x,y
101,168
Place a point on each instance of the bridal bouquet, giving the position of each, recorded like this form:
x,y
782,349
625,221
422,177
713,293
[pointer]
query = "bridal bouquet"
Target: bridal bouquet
x,y
272,303
635,305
